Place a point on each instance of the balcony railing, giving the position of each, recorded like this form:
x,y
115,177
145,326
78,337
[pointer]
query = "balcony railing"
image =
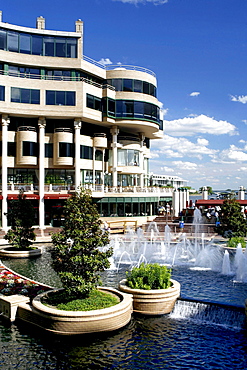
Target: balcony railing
x,y
94,188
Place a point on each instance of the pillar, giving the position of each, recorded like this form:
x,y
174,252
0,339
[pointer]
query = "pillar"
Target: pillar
x,y
5,123
114,132
241,193
41,124
142,137
205,193
77,126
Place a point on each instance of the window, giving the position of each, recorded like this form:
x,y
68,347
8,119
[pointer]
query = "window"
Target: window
x,y
128,157
65,150
94,102
11,149
2,93
128,84
98,155
19,42
137,109
86,152
48,150
28,96
60,97
25,43
29,148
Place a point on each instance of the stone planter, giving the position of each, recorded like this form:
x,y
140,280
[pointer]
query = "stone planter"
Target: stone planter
x,y
153,302
6,252
78,322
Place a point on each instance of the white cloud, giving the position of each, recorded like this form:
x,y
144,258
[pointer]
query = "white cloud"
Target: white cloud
x,y
195,93
167,169
233,154
105,61
241,98
174,147
189,126
185,165
135,2
244,121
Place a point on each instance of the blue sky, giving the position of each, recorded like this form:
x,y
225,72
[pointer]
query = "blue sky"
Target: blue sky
x,y
198,50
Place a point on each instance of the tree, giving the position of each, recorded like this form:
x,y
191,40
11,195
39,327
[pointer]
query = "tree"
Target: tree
x,y
21,219
76,255
232,221
209,189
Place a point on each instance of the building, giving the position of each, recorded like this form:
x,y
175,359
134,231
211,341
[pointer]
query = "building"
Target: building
x,y
68,121
168,180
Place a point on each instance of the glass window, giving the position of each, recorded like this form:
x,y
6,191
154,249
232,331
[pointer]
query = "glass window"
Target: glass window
x,y
138,86
147,110
145,87
37,45
15,95
111,107
139,109
60,97
25,43
3,39
60,48
50,97
29,148
48,150
152,90
98,155
90,101
71,48
25,96
35,96
13,71
97,103
86,152
119,108
127,85
122,157
49,46
70,98
11,149
65,150
2,93
129,108
118,84
13,41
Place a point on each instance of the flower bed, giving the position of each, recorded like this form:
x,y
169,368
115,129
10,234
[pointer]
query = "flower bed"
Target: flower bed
x,y
11,283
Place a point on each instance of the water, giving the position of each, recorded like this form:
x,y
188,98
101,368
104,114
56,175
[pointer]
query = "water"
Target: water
x,y
198,336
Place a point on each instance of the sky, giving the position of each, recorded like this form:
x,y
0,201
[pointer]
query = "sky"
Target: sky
x,y
198,50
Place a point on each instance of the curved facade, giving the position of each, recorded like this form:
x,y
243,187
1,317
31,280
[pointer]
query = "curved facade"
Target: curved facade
x,y
67,121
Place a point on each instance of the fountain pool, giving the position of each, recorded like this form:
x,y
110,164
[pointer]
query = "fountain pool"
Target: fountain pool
x,y
196,335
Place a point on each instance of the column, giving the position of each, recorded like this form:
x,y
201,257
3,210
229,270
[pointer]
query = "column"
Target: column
x,y
205,193
5,123
142,137
175,202
114,131
241,193
77,126
93,185
41,124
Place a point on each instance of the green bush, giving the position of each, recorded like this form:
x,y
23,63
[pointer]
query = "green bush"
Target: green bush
x,y
149,277
233,242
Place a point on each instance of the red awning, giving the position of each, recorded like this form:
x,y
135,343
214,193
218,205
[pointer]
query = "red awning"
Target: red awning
x,y
28,196
57,196
1,197
216,202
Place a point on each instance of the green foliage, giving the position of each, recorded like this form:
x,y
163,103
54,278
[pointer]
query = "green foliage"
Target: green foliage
x,y
209,189
21,218
232,221
95,301
148,277
233,242
76,253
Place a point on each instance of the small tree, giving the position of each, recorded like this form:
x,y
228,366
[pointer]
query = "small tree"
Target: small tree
x,y
232,221
75,253
21,219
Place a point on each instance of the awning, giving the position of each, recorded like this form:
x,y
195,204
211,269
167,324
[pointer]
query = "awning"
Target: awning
x,y
27,196
216,202
57,196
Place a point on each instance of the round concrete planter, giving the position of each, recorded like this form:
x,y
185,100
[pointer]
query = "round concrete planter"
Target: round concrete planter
x,y
6,252
78,322
153,302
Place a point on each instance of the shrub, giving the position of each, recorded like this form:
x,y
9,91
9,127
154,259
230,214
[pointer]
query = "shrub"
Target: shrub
x,y
21,219
148,277
233,242
76,255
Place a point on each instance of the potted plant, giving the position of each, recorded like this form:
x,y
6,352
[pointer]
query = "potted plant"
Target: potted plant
x,y
153,290
78,258
21,235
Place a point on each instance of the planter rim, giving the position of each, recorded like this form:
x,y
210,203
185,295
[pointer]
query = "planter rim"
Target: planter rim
x,y
122,284
36,303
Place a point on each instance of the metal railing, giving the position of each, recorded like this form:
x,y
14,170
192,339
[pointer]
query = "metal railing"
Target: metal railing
x,y
110,67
